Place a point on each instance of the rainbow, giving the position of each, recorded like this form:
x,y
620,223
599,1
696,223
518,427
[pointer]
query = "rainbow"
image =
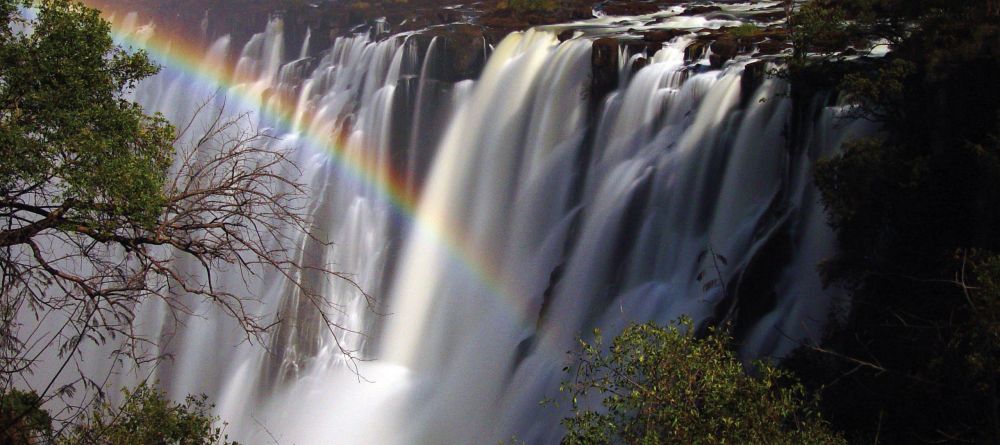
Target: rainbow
x,y
180,53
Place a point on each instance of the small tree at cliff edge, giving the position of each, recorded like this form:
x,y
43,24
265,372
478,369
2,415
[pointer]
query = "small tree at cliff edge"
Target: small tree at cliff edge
x,y
99,203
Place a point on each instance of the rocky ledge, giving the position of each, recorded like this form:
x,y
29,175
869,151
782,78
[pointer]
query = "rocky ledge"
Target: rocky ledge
x,y
720,30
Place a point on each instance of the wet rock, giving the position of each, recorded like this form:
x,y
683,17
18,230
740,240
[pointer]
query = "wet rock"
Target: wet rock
x,y
639,64
771,47
604,67
770,16
566,35
722,51
753,76
700,10
461,45
719,15
641,47
696,50
662,35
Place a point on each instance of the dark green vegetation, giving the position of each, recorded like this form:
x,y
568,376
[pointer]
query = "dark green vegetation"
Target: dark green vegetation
x,y
21,421
914,358
145,416
662,385
68,144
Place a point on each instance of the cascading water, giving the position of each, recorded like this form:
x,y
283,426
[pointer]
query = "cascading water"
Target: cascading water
x,y
543,212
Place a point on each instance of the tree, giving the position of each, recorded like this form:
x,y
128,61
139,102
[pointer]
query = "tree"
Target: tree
x,y
33,424
663,385
99,202
145,416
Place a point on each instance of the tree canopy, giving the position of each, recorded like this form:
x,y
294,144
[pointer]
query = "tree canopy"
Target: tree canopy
x,y
144,416
72,149
664,385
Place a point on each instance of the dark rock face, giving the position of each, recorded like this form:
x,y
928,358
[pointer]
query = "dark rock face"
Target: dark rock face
x,y
463,46
753,76
699,10
639,64
664,35
604,66
771,47
722,50
696,50
725,44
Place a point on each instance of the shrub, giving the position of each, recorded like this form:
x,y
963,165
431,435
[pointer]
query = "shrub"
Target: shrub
x,y
745,30
147,416
21,421
663,385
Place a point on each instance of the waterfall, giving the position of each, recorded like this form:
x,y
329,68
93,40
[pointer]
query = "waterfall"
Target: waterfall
x,y
544,211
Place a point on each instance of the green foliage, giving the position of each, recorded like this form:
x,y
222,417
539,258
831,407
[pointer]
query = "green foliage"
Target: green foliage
x,y
817,29
147,416
875,93
23,421
663,385
531,6
67,136
745,30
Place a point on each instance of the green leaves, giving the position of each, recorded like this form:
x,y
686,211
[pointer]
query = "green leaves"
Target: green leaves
x,y
664,385
66,134
146,416
21,418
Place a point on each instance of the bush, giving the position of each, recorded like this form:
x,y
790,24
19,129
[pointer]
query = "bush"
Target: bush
x,y
147,416
21,421
663,385
745,30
